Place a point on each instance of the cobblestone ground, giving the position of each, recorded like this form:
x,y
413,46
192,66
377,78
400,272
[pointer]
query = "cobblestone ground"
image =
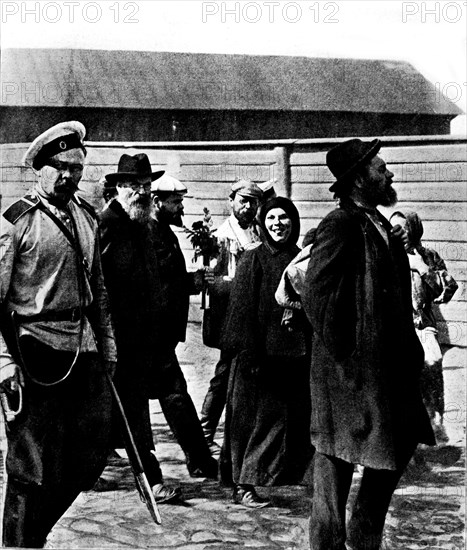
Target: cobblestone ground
x,y
427,510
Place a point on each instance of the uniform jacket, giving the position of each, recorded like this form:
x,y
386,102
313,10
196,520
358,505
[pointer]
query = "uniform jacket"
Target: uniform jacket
x,y
366,357
132,280
39,276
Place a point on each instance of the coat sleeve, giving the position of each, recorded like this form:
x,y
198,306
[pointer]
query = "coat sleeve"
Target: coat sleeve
x,y
7,255
99,316
329,297
221,287
444,279
241,330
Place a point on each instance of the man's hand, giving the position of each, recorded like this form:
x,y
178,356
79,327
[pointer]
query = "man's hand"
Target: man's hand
x,y
203,276
416,263
399,233
10,378
209,275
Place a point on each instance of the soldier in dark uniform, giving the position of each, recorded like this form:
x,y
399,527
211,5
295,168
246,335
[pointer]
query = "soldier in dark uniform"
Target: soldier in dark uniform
x,y
56,344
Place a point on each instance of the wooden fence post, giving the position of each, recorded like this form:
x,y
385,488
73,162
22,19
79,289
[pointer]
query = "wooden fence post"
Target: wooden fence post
x,y
283,186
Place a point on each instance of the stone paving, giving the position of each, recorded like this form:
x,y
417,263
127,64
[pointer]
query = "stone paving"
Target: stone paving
x,y
427,510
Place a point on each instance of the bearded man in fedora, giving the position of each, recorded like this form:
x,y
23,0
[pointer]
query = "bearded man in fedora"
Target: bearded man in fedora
x,y
366,358
132,279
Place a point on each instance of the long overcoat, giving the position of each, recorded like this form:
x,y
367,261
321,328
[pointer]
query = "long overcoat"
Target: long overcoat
x,y
366,358
177,285
132,280
266,438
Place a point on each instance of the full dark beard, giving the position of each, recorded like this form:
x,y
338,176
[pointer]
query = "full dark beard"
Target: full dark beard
x,y
170,219
245,220
388,198
177,220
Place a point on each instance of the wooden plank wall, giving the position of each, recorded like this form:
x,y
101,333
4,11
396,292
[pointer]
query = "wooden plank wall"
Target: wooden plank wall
x,y
430,175
431,179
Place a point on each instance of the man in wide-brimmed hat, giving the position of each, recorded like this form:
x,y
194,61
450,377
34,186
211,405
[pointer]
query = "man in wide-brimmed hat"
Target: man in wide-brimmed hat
x,y
132,280
56,341
366,358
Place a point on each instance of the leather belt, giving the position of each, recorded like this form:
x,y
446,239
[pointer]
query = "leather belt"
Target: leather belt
x,y
64,315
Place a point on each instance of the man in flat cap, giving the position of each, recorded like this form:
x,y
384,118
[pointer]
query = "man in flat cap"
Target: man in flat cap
x,y
237,234
132,279
167,380
56,343
366,358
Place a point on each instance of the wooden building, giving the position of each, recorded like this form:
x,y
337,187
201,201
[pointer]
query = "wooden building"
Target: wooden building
x,y
160,96
430,178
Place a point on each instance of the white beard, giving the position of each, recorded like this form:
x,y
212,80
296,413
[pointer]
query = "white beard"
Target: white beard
x,y
137,211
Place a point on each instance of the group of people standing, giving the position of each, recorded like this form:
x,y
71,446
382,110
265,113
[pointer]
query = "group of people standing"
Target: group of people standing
x,y
87,299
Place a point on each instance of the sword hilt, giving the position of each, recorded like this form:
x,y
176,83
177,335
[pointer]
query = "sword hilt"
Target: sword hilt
x,y
11,414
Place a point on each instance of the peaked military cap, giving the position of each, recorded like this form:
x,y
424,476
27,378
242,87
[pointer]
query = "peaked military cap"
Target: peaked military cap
x,y
61,137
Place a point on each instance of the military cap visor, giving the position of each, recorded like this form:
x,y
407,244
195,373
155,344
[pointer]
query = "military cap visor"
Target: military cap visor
x,y
58,139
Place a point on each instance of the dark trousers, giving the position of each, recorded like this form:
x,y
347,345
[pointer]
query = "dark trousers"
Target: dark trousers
x,y
332,479
178,408
131,384
216,396
57,445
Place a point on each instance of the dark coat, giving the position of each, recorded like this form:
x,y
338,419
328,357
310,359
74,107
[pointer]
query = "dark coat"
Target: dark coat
x,y
366,357
131,277
253,320
266,439
176,283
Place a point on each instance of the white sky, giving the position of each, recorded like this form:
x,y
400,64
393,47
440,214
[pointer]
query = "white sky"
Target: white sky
x,y
430,35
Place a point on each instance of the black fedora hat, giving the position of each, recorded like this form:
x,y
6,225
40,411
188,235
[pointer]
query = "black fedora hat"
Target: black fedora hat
x,y
346,158
133,168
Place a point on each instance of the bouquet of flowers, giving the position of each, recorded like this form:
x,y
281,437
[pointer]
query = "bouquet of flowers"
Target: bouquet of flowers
x,y
202,238
205,246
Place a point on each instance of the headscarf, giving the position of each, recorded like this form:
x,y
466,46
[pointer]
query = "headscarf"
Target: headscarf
x,y
291,210
414,228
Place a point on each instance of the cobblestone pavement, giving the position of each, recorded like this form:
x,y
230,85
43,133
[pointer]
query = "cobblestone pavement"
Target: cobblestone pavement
x,y
427,510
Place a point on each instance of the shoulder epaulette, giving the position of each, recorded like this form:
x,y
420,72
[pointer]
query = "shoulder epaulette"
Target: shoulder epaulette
x,y
87,206
14,212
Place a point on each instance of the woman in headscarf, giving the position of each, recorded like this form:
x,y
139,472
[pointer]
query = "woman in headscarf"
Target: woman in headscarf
x,y
266,440
431,284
